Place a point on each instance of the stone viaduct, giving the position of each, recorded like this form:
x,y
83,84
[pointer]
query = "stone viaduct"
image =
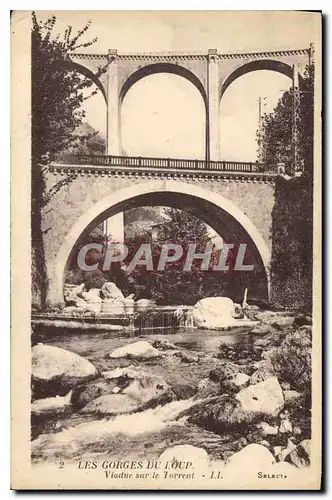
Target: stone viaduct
x,y
234,198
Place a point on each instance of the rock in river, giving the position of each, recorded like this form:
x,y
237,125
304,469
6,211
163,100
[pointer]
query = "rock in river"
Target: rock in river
x,y
301,455
237,382
55,371
217,313
186,453
266,397
50,405
111,404
84,393
109,290
137,350
254,456
128,394
219,414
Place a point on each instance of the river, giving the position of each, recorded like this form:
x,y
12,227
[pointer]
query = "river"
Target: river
x,y
146,433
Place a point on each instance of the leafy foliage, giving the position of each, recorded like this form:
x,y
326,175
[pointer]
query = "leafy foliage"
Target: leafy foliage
x,y
56,100
292,250
57,92
292,226
276,134
88,141
173,285
292,360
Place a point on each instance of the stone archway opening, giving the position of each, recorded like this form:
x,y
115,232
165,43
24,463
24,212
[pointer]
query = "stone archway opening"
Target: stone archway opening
x,y
163,115
257,65
222,215
176,74
243,105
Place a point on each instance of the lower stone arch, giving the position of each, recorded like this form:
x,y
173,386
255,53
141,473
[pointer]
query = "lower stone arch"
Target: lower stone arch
x,y
153,187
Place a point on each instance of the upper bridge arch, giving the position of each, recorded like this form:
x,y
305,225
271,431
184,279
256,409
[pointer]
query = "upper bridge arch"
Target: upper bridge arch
x,y
257,65
162,67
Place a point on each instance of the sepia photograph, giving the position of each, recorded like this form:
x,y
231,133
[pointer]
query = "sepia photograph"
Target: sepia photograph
x,y
172,304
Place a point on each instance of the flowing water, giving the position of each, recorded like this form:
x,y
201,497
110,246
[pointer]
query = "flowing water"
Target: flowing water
x,y
149,432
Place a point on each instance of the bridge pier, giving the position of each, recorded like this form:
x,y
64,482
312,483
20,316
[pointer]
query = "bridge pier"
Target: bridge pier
x,y
114,226
213,106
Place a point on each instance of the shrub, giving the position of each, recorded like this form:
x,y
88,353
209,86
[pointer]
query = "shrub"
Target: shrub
x,y
292,360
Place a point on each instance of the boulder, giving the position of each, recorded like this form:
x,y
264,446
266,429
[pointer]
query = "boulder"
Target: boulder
x,y
109,291
184,391
215,313
238,311
84,393
145,304
186,453
72,295
93,295
260,375
253,456
138,350
277,450
265,397
283,322
114,301
224,371
237,382
133,394
208,388
111,404
187,357
146,388
285,426
286,451
273,318
92,300
55,371
219,414
268,430
51,405
264,442
261,329
126,371
164,345
301,455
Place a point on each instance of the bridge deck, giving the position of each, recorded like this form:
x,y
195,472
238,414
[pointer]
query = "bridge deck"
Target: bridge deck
x,y
104,164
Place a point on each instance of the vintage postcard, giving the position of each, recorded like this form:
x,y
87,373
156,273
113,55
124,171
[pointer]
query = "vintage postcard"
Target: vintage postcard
x,y
166,250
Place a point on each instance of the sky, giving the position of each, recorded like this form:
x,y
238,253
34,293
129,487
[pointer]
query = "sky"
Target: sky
x,y
170,103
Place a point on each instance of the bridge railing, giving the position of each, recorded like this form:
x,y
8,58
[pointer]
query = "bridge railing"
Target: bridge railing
x,y
149,162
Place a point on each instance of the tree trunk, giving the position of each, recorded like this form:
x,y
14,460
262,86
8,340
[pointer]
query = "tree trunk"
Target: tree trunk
x,y
38,271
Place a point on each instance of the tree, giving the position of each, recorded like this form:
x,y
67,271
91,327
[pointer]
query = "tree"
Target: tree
x,y
89,141
172,285
292,216
56,112
276,128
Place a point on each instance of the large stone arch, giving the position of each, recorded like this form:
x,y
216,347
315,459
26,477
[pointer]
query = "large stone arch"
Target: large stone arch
x,y
162,67
256,65
212,203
